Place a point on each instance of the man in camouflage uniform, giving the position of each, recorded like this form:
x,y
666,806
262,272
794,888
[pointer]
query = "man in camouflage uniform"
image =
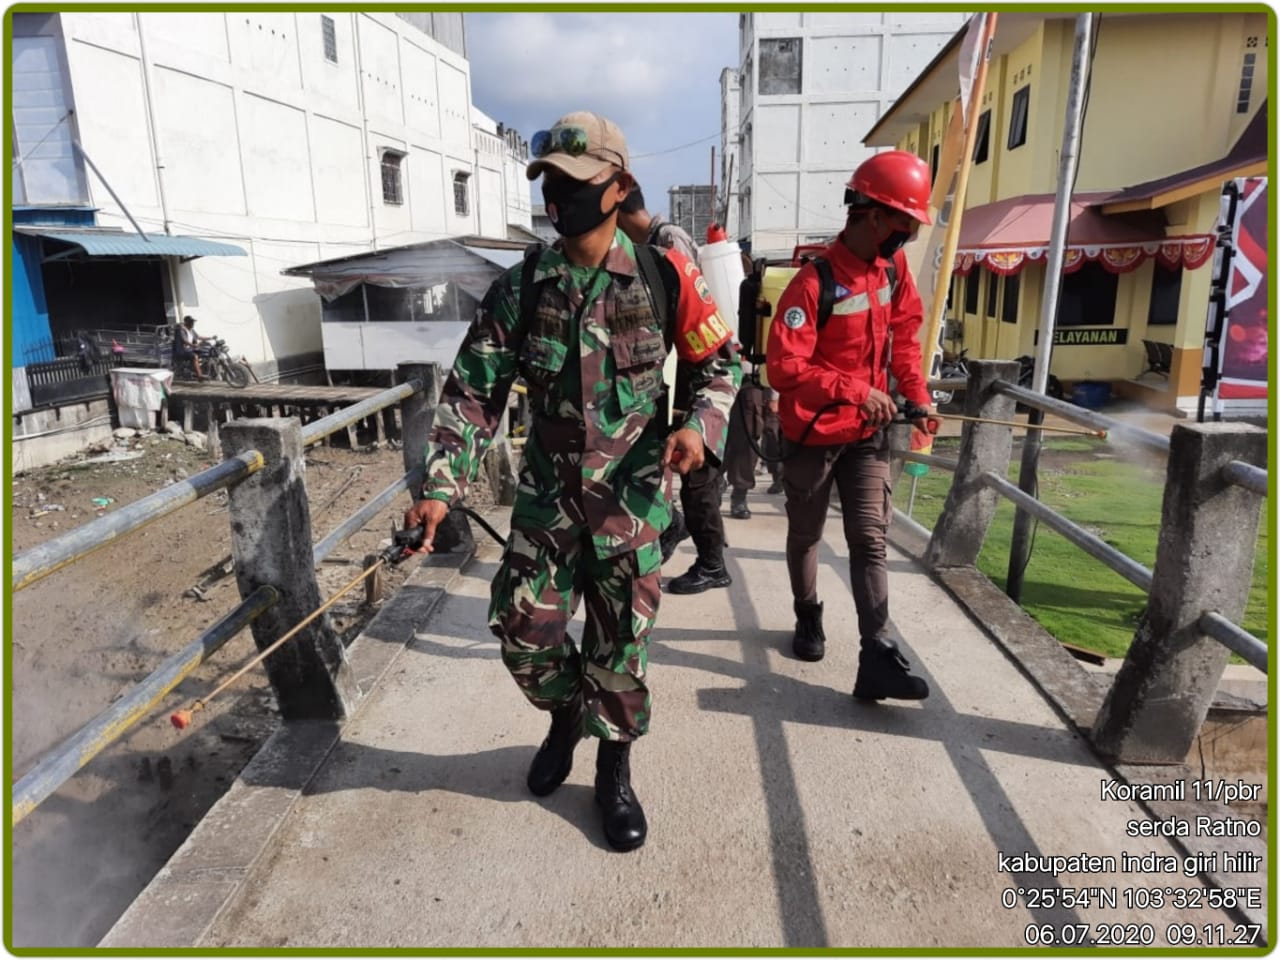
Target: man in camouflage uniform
x,y
594,485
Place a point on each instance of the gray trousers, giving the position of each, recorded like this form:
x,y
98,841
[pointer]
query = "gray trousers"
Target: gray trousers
x,y
860,472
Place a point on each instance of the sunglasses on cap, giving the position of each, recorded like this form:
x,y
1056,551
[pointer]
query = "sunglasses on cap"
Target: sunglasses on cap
x,y
569,140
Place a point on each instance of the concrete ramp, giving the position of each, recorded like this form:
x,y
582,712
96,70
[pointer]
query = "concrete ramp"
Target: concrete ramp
x,y
782,813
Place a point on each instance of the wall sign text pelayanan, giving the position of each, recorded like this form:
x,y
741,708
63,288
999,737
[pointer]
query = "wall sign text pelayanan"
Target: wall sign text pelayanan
x,y
1088,336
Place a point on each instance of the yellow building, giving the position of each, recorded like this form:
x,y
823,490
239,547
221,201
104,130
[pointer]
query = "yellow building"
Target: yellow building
x,y
1176,107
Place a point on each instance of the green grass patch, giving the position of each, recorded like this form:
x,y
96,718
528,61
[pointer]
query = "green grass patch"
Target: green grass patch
x,y
1072,595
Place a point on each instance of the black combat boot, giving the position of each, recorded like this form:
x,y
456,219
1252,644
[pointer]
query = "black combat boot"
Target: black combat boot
x,y
809,643
738,508
776,487
671,537
624,823
883,674
703,575
554,759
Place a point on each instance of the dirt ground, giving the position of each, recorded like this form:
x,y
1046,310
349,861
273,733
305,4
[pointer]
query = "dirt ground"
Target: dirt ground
x,y
84,635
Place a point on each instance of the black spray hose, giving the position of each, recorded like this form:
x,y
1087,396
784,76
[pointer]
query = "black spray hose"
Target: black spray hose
x,y
742,418
480,520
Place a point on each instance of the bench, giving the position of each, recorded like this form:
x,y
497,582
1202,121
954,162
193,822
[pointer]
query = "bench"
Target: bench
x,y
1159,358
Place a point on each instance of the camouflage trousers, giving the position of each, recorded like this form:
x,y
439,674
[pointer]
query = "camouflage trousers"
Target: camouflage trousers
x,y
534,596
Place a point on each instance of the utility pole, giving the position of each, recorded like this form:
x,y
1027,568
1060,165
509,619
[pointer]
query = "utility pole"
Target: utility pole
x,y
1019,550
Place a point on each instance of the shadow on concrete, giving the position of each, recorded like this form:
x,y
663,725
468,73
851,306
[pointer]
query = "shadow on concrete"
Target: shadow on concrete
x,y
771,700
490,775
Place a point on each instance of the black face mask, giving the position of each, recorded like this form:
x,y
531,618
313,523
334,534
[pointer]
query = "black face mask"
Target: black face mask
x,y
574,206
893,243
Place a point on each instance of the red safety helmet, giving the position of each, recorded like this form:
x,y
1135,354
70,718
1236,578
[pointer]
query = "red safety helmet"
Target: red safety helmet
x,y
898,179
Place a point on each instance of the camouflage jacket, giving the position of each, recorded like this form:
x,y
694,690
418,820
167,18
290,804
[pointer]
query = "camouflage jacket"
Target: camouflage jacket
x,y
594,371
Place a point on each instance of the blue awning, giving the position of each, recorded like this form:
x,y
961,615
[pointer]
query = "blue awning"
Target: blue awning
x,y
100,242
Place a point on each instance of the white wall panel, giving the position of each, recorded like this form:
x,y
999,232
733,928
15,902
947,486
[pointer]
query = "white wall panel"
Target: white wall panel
x,y
197,121
777,134
842,64
277,164
338,165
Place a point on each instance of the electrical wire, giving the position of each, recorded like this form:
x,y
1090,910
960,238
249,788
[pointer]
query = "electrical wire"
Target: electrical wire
x,y
683,146
27,156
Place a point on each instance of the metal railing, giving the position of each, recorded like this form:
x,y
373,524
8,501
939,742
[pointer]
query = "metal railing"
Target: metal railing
x,y
985,463
71,754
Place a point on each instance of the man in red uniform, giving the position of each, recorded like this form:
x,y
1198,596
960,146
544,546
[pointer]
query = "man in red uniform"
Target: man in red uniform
x,y
832,381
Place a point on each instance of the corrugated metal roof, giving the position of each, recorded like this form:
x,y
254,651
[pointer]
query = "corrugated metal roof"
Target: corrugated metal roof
x,y
118,243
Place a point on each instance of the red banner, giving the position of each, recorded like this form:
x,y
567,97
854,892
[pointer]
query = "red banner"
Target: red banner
x,y
1190,253
1244,344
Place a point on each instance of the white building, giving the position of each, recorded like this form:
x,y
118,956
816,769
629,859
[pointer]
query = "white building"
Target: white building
x,y
730,149
810,85
295,137
502,191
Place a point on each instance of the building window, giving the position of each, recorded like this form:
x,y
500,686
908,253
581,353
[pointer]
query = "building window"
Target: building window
x,y
1166,289
982,142
330,34
1088,297
971,292
780,66
1018,118
461,196
1009,309
392,187
1246,83
993,290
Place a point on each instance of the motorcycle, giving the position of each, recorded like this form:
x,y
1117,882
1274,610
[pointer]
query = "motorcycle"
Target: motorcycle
x,y
215,362
953,367
1026,371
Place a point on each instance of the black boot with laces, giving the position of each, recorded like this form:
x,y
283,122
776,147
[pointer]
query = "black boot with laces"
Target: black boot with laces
x,y
624,824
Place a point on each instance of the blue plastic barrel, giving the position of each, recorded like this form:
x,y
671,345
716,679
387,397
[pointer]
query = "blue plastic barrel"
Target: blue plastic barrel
x,y
1091,394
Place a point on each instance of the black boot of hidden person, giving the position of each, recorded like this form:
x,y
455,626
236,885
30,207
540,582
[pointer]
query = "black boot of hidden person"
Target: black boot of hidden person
x,y
809,642
624,824
703,575
554,759
883,674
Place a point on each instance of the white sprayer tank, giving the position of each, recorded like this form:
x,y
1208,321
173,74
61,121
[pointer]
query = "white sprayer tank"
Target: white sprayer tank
x,y
721,265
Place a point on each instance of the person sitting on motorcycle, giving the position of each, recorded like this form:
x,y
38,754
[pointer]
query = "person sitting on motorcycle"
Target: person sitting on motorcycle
x,y
185,343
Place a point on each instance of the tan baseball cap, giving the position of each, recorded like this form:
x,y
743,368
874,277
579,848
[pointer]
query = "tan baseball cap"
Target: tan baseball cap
x,y
605,145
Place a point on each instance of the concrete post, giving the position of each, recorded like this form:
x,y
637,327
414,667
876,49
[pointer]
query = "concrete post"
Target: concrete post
x,y
959,532
1204,561
416,413
271,544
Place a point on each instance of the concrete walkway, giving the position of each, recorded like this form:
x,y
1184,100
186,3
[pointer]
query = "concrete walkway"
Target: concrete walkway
x,y
782,813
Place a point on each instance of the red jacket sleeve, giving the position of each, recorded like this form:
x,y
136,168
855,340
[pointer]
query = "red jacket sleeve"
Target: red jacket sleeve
x,y
905,322
700,330
793,337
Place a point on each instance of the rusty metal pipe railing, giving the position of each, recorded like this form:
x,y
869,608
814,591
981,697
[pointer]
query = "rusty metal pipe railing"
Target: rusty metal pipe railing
x,y
1248,476
341,419
40,561
1121,563
358,519
58,765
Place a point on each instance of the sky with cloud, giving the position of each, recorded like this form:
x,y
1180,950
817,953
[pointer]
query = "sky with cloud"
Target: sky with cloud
x,y
657,75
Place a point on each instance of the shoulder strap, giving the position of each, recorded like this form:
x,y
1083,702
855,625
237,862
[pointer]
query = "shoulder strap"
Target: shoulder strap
x,y
826,290
528,286
660,293
892,271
